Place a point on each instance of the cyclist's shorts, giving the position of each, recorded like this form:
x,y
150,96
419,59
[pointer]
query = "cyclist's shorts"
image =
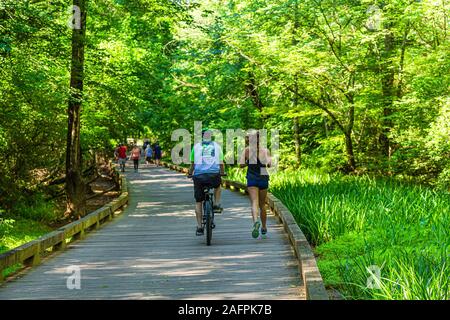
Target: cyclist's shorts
x,y
212,180
122,161
261,184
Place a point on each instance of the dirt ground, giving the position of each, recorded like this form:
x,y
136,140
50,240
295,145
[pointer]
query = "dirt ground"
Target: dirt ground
x,y
98,186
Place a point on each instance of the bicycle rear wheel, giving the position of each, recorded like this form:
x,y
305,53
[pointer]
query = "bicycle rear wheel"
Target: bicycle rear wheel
x,y
208,223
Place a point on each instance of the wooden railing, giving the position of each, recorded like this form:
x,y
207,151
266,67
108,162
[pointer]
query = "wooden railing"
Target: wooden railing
x,y
312,279
30,254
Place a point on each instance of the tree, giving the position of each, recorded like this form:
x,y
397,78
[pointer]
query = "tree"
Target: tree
x,y
75,186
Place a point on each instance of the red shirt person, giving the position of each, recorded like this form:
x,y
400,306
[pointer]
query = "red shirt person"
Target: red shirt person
x,y
122,155
122,151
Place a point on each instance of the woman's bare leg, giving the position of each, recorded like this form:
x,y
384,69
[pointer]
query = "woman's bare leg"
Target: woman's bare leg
x,y
253,192
262,207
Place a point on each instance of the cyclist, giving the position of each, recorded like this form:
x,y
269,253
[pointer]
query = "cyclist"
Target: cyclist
x,y
207,168
257,162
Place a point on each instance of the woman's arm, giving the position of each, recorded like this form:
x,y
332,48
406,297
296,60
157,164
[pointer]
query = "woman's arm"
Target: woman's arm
x,y
243,159
267,158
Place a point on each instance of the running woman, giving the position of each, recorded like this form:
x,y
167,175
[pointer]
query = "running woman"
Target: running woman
x,y
257,162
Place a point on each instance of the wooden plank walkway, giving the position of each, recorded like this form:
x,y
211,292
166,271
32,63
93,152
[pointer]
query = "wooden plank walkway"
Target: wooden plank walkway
x,y
151,252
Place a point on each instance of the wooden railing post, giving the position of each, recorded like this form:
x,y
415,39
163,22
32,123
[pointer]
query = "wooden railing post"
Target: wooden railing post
x,y
35,259
60,246
79,235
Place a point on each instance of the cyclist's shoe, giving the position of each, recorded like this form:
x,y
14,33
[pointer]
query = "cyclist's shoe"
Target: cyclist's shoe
x,y
255,232
217,209
213,225
199,232
263,232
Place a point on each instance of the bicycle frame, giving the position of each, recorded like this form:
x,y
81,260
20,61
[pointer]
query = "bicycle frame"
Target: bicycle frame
x,y
209,196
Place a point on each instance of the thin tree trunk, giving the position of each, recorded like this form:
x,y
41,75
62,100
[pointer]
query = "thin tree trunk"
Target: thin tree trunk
x,y
253,92
349,150
347,131
387,81
402,62
348,135
297,141
75,187
298,150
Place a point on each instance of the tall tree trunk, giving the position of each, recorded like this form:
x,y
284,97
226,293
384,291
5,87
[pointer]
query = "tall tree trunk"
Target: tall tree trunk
x,y
387,81
75,187
298,152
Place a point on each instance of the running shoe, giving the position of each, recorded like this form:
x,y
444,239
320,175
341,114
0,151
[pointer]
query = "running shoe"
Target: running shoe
x,y
263,232
255,232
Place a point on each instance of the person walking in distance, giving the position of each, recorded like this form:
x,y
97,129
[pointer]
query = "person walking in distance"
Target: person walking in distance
x,y
148,153
158,154
121,153
257,160
146,143
135,156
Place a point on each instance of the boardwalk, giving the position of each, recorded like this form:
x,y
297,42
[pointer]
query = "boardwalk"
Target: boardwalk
x,y
151,252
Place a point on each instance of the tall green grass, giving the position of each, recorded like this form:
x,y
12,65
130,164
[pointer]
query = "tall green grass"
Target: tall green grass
x,y
358,222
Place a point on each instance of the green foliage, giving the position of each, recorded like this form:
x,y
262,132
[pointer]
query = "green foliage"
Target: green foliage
x,y
357,222
5,227
37,209
19,232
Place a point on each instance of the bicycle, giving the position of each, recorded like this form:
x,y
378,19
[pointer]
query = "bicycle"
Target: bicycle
x,y
208,214
208,211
